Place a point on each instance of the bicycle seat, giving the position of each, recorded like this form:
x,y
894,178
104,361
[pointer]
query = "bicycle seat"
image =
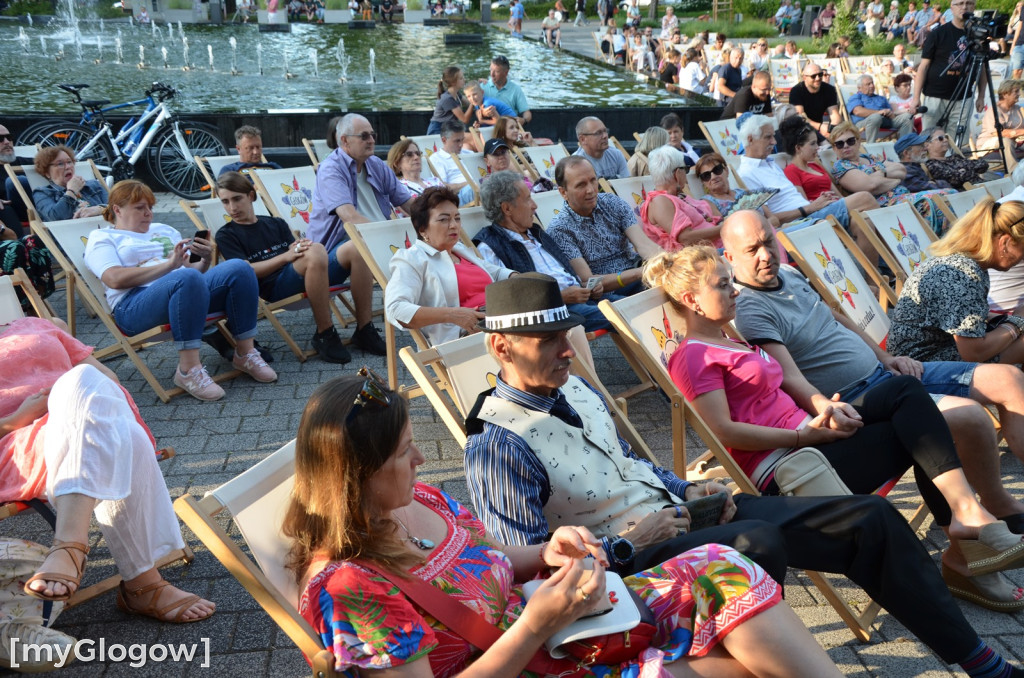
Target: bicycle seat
x,y
73,88
96,103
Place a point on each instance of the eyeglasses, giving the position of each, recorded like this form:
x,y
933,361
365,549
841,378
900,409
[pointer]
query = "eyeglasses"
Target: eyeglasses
x,y
373,391
716,170
412,154
815,76
365,136
63,163
598,133
6,137
762,44
843,143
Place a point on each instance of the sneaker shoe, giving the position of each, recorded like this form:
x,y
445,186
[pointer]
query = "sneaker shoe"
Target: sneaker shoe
x,y
329,347
253,364
221,345
370,340
34,661
198,384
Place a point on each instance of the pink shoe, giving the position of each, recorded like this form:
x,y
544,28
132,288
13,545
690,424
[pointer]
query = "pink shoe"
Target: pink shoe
x,y
252,363
198,384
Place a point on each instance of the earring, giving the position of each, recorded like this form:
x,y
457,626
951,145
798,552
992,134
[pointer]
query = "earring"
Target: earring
x,y
698,311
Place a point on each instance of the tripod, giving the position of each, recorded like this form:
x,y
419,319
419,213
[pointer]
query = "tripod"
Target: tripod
x,y
977,64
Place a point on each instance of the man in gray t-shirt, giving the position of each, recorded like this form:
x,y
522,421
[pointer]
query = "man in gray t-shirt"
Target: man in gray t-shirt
x,y
779,310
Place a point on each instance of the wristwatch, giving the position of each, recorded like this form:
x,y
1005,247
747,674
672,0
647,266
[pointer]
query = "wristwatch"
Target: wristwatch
x,y
621,551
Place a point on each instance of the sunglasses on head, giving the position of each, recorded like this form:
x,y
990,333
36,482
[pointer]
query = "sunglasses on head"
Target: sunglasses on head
x,y
716,170
843,143
374,390
365,136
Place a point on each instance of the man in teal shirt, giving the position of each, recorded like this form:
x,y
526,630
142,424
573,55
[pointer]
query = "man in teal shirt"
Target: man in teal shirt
x,y
500,87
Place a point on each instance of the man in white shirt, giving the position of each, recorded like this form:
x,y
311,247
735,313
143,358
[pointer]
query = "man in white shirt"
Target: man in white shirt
x,y
757,134
453,135
593,138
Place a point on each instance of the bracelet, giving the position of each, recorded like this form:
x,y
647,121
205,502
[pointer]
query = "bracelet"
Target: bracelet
x,y
618,276
802,211
543,546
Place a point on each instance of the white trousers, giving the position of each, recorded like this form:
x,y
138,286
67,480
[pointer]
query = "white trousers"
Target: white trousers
x,y
94,446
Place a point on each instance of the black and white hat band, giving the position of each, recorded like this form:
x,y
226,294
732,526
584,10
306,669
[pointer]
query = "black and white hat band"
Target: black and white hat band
x,y
513,321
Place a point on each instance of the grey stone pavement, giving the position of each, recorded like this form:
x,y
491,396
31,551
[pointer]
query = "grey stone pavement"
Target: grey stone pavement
x,y
216,441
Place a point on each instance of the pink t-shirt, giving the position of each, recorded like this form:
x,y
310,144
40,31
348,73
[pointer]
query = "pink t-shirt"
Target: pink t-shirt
x,y
752,382
472,281
690,214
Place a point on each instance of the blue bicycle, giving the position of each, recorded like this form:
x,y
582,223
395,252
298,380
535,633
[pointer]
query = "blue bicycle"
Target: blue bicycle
x,y
168,144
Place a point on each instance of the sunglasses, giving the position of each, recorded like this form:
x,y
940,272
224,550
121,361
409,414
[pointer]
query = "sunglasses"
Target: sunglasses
x,y
412,154
6,137
941,137
843,143
373,391
717,170
365,136
815,76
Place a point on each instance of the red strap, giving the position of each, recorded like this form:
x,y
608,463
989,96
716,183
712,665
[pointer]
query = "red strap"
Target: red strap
x,y
470,625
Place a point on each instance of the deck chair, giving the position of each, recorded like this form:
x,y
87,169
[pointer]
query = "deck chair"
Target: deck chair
x,y
997,189
481,135
956,205
845,92
474,168
66,241
549,204
785,76
210,167
631,189
857,66
428,143
884,150
622,149
473,220
828,158
724,137
257,500
733,163
83,168
900,237
696,189
28,151
317,150
827,255
653,329
288,194
540,161
600,54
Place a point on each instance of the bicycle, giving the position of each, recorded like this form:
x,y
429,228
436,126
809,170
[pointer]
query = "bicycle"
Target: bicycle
x,y
168,143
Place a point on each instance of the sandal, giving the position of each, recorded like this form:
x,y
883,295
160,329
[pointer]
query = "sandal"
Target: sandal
x,y
71,582
1015,522
987,590
152,610
996,548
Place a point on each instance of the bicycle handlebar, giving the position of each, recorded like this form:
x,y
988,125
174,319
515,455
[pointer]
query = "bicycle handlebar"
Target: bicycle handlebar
x,y
163,92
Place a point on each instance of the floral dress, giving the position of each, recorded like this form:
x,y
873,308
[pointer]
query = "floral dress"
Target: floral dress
x,y
697,598
957,170
922,200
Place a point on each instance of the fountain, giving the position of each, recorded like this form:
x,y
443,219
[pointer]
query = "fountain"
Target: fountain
x,y
101,26
163,53
142,57
181,31
234,55
153,25
23,39
184,54
288,75
28,17
99,50
259,57
343,60
373,62
170,32
316,63
42,45
118,47
209,52
78,43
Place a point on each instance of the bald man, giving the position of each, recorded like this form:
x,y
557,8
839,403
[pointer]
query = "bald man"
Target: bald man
x,y
755,98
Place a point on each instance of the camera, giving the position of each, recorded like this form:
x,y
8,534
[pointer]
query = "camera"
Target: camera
x,y
984,26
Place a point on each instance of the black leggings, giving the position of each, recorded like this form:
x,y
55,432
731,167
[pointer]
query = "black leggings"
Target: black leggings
x,y
902,428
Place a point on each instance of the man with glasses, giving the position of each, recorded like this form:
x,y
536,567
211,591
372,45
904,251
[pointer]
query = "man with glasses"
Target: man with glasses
x,y
943,65
12,209
871,112
755,98
609,163
249,144
500,87
816,100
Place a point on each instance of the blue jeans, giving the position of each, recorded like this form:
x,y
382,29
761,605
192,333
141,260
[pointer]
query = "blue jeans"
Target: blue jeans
x,y
1017,58
836,209
939,378
184,297
289,281
434,127
593,319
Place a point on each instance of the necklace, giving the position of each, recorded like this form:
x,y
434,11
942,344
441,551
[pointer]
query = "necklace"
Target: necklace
x,y
421,544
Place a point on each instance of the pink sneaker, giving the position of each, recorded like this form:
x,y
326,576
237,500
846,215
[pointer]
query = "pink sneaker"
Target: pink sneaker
x,y
198,384
252,363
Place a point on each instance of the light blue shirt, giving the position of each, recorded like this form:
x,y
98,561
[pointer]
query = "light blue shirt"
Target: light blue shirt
x,y
511,94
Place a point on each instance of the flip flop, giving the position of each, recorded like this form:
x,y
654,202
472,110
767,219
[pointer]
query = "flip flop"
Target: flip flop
x,y
987,590
70,582
995,549
152,610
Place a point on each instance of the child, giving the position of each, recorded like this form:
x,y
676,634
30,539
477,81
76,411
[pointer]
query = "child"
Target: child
x,y
488,110
367,10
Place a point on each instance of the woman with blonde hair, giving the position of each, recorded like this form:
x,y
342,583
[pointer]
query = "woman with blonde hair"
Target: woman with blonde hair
x,y
669,217
943,311
150,280
359,520
406,160
652,139
451,103
509,129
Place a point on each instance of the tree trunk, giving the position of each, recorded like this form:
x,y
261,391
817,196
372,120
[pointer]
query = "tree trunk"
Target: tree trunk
x,y
652,11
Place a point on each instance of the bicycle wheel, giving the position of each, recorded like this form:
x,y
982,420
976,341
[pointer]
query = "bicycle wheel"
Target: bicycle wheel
x,y
77,137
175,168
34,132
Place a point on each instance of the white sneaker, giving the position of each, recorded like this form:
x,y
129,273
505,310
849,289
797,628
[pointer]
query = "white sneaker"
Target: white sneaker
x,y
59,644
253,364
199,384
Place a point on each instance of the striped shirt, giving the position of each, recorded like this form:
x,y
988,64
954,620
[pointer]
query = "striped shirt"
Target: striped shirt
x,y
508,484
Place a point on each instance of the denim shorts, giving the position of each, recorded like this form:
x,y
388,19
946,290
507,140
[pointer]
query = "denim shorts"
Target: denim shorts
x,y
1017,58
940,378
289,281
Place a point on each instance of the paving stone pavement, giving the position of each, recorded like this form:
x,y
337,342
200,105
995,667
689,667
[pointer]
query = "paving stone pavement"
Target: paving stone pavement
x,y
216,441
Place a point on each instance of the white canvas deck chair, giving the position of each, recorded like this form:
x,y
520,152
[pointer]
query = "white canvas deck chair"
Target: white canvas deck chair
x,y
210,167
377,242
473,220
288,194
622,149
429,144
883,150
827,255
474,168
956,205
997,189
257,500
481,135
724,137
900,237
857,66
540,161
549,205
66,241
631,189
785,76
696,189
317,150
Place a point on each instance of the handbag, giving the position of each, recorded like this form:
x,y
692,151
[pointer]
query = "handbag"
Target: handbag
x,y
475,629
807,473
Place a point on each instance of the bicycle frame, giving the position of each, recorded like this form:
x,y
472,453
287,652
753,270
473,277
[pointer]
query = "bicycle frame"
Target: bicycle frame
x,y
162,114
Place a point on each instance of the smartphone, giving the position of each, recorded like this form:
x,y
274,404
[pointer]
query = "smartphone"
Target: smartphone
x,y
193,257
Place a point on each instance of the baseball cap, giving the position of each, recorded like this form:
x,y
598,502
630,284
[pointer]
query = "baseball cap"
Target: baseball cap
x,y
493,144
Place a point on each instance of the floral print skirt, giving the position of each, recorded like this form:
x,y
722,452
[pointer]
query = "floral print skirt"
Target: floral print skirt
x,y
924,203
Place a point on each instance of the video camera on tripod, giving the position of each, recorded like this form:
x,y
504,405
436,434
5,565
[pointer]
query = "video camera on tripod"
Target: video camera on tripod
x,y
983,27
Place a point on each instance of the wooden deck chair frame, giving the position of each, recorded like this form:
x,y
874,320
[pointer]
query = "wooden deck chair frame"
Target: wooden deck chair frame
x,y
264,481
723,135
473,168
958,204
785,74
210,167
317,150
622,149
918,233
532,158
66,242
683,413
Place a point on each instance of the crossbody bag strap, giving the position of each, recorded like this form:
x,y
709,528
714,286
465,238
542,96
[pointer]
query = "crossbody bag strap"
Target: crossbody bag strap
x,y
470,625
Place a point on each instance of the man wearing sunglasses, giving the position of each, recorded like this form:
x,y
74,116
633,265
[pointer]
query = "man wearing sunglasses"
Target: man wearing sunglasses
x,y
13,211
816,100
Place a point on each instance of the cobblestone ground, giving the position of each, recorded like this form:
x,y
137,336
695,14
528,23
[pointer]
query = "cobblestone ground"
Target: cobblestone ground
x,y
216,441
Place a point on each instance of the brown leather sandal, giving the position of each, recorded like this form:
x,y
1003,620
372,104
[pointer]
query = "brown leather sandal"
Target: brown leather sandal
x,y
71,582
152,610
